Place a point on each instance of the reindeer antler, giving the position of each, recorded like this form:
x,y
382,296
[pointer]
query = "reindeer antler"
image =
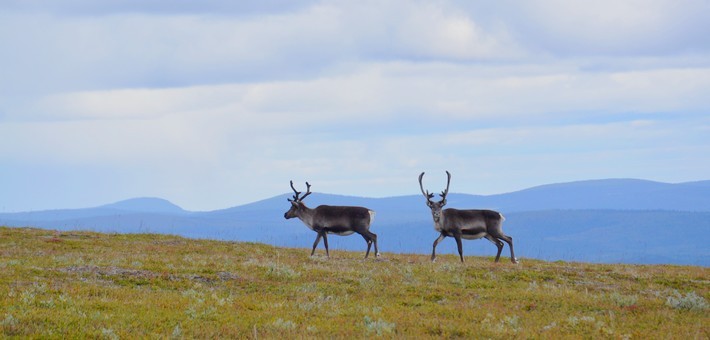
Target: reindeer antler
x,y
295,197
446,192
297,193
308,191
421,186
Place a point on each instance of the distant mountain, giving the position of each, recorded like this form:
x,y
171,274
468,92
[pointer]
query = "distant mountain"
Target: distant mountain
x,y
627,236
616,220
609,194
126,207
146,204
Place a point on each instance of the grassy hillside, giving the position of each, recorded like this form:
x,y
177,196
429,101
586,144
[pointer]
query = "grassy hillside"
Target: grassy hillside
x,y
69,284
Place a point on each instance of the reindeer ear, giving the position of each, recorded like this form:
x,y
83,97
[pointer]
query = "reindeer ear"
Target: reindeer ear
x,y
429,204
443,202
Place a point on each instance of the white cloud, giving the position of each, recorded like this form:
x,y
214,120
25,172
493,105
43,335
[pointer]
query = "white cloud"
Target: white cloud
x,y
127,142
632,27
140,123
435,31
359,97
50,51
134,103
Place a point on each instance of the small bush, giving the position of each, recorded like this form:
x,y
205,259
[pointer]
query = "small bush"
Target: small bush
x,y
690,301
281,271
177,333
10,325
284,324
623,300
378,326
574,321
108,333
504,325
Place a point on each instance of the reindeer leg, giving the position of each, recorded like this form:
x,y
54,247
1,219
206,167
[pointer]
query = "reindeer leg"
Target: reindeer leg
x,y
498,244
371,238
509,241
325,242
433,251
374,240
459,244
369,243
315,244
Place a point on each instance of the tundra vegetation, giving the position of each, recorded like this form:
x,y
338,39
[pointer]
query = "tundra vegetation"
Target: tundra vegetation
x,y
86,284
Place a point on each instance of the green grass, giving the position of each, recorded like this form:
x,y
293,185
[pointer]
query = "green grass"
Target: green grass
x,y
84,284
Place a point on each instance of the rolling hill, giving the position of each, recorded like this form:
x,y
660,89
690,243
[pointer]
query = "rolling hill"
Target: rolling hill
x,y
607,221
79,284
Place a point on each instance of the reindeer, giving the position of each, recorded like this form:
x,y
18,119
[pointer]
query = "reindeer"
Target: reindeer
x,y
328,219
465,224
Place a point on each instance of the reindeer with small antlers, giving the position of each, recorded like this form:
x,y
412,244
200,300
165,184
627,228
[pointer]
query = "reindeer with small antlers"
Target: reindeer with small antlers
x,y
328,219
465,224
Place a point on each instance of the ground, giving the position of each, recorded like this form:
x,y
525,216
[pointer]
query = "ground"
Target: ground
x,y
84,284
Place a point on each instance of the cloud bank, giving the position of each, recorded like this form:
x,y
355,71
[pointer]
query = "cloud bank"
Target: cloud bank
x,y
219,103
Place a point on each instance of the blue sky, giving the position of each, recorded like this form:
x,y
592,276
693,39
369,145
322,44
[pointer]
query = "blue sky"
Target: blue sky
x,y
216,103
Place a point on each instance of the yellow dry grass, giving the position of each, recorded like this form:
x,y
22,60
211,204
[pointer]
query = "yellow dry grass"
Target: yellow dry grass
x,y
84,284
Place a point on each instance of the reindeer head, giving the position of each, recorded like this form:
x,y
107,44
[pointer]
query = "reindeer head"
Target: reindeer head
x,y
435,206
296,203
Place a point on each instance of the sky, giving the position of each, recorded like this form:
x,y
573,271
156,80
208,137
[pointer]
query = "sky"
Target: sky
x,y
216,103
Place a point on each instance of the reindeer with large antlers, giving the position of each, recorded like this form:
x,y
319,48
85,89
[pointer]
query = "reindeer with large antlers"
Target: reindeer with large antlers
x,y
328,219
465,224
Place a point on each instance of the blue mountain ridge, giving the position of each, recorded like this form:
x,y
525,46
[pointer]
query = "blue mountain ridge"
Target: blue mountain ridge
x,y
606,221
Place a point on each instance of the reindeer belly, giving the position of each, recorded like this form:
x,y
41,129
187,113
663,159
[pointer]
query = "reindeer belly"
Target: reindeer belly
x,y
474,233
339,230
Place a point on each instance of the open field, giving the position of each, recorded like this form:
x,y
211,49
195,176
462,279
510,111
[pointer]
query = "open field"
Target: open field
x,y
85,284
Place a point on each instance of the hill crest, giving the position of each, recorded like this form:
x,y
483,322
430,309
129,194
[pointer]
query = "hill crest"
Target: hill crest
x,y
628,221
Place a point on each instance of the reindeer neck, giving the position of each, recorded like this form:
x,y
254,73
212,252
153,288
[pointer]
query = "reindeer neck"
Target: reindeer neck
x,y
439,226
306,215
